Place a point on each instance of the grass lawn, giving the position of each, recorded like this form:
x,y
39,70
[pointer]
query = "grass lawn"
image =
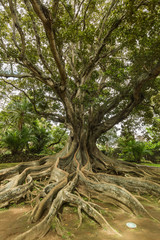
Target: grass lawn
x,y
7,165
150,164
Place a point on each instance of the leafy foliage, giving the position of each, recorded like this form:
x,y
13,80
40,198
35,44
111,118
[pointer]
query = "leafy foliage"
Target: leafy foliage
x,y
16,140
23,130
59,137
132,150
40,136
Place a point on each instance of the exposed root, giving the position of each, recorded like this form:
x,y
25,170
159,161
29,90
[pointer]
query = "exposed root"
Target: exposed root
x,y
142,198
15,193
92,212
121,196
10,172
80,216
46,202
52,181
137,185
122,168
60,230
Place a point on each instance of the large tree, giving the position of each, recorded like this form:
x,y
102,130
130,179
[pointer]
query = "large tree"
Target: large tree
x,y
92,62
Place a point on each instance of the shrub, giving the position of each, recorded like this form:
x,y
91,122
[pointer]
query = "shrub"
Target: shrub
x,y
16,140
132,150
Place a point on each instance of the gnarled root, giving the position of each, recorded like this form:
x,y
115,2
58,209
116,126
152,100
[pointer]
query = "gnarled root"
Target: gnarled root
x,y
91,211
51,182
120,196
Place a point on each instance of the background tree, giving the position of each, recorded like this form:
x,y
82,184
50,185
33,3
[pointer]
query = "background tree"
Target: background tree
x,y
91,63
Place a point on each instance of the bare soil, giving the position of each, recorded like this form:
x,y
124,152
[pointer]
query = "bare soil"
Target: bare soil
x,y
14,221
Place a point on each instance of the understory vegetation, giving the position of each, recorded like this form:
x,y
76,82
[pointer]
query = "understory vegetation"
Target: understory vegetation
x,y
22,131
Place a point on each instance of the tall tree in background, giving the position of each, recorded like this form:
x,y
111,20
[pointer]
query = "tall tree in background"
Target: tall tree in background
x,y
91,62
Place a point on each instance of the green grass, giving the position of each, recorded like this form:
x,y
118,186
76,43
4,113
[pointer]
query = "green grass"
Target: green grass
x,y
3,209
151,164
7,165
147,164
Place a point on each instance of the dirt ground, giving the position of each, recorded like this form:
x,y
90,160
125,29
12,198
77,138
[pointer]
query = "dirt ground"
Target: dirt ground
x,y
14,221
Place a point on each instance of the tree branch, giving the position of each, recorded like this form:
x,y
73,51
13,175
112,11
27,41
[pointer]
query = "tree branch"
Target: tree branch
x,y
84,17
79,8
113,4
2,45
135,99
17,25
36,72
45,16
67,10
12,75
55,117
38,40
96,57
55,8
57,142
